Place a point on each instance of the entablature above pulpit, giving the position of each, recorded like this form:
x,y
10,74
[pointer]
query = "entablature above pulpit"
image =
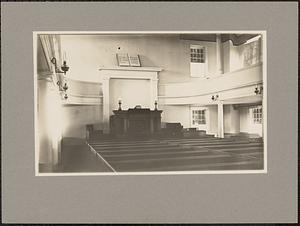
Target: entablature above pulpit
x,y
130,72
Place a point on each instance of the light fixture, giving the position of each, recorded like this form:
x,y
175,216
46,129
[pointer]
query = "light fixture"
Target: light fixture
x,y
215,97
62,70
64,67
258,90
65,87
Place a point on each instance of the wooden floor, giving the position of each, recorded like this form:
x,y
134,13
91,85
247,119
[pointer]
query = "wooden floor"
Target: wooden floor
x,y
185,154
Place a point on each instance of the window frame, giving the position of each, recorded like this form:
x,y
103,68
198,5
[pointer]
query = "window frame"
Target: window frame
x,y
197,54
252,53
198,60
206,115
257,115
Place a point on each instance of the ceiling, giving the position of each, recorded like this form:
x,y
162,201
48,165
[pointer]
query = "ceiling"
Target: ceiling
x,y
237,39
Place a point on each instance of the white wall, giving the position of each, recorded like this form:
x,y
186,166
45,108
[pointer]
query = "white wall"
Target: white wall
x,y
246,122
236,57
179,113
226,56
235,120
84,88
84,106
49,123
86,53
231,119
76,117
132,92
213,119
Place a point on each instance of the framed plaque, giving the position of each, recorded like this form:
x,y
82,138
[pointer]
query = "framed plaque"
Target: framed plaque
x,y
134,60
123,59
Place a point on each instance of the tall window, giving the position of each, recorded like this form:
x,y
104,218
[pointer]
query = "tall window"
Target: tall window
x,y
257,115
198,61
197,54
252,53
198,117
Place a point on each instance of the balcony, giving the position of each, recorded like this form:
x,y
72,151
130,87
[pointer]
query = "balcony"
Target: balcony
x,y
234,84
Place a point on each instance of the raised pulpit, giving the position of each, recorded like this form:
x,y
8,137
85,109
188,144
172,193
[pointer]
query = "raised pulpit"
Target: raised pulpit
x,y
135,122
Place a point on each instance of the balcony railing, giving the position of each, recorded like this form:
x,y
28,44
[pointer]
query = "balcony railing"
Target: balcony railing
x,y
233,80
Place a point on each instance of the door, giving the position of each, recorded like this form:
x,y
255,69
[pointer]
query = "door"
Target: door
x,y
199,118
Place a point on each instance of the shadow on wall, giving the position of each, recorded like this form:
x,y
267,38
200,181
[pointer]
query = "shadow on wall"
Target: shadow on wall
x,y
75,119
147,62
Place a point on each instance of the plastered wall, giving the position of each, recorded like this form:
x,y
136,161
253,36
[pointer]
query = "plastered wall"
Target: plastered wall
x,y
49,123
76,117
132,92
86,53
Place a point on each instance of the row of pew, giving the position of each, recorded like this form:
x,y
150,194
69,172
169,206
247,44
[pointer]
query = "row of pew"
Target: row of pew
x,y
184,154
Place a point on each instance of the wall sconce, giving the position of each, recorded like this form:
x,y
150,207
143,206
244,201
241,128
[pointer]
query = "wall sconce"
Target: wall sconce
x,y
258,90
214,97
64,67
62,70
65,87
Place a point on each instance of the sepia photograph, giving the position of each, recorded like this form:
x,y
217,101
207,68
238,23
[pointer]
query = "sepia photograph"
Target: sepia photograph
x,y
128,102
149,112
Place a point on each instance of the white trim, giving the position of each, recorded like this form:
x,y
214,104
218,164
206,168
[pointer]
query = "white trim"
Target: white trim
x,y
107,74
93,150
81,103
203,126
210,93
213,172
213,77
85,95
151,32
82,81
195,66
265,98
35,90
154,69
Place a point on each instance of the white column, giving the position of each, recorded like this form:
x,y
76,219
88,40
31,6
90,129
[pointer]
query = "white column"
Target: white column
x,y
218,54
106,110
220,120
153,92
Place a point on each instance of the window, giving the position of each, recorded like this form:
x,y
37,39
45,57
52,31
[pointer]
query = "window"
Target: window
x,y
257,115
252,53
198,117
198,61
197,54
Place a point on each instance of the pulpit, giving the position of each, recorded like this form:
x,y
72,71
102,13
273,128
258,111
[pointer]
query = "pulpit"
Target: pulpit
x,y
135,122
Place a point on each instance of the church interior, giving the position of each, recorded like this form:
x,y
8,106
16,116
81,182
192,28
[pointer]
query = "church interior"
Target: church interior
x,y
149,102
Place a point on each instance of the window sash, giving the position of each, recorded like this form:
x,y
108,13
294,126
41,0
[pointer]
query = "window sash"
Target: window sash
x,y
197,55
198,117
257,115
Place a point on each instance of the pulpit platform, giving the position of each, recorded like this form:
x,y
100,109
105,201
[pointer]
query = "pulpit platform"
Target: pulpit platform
x,y
135,123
